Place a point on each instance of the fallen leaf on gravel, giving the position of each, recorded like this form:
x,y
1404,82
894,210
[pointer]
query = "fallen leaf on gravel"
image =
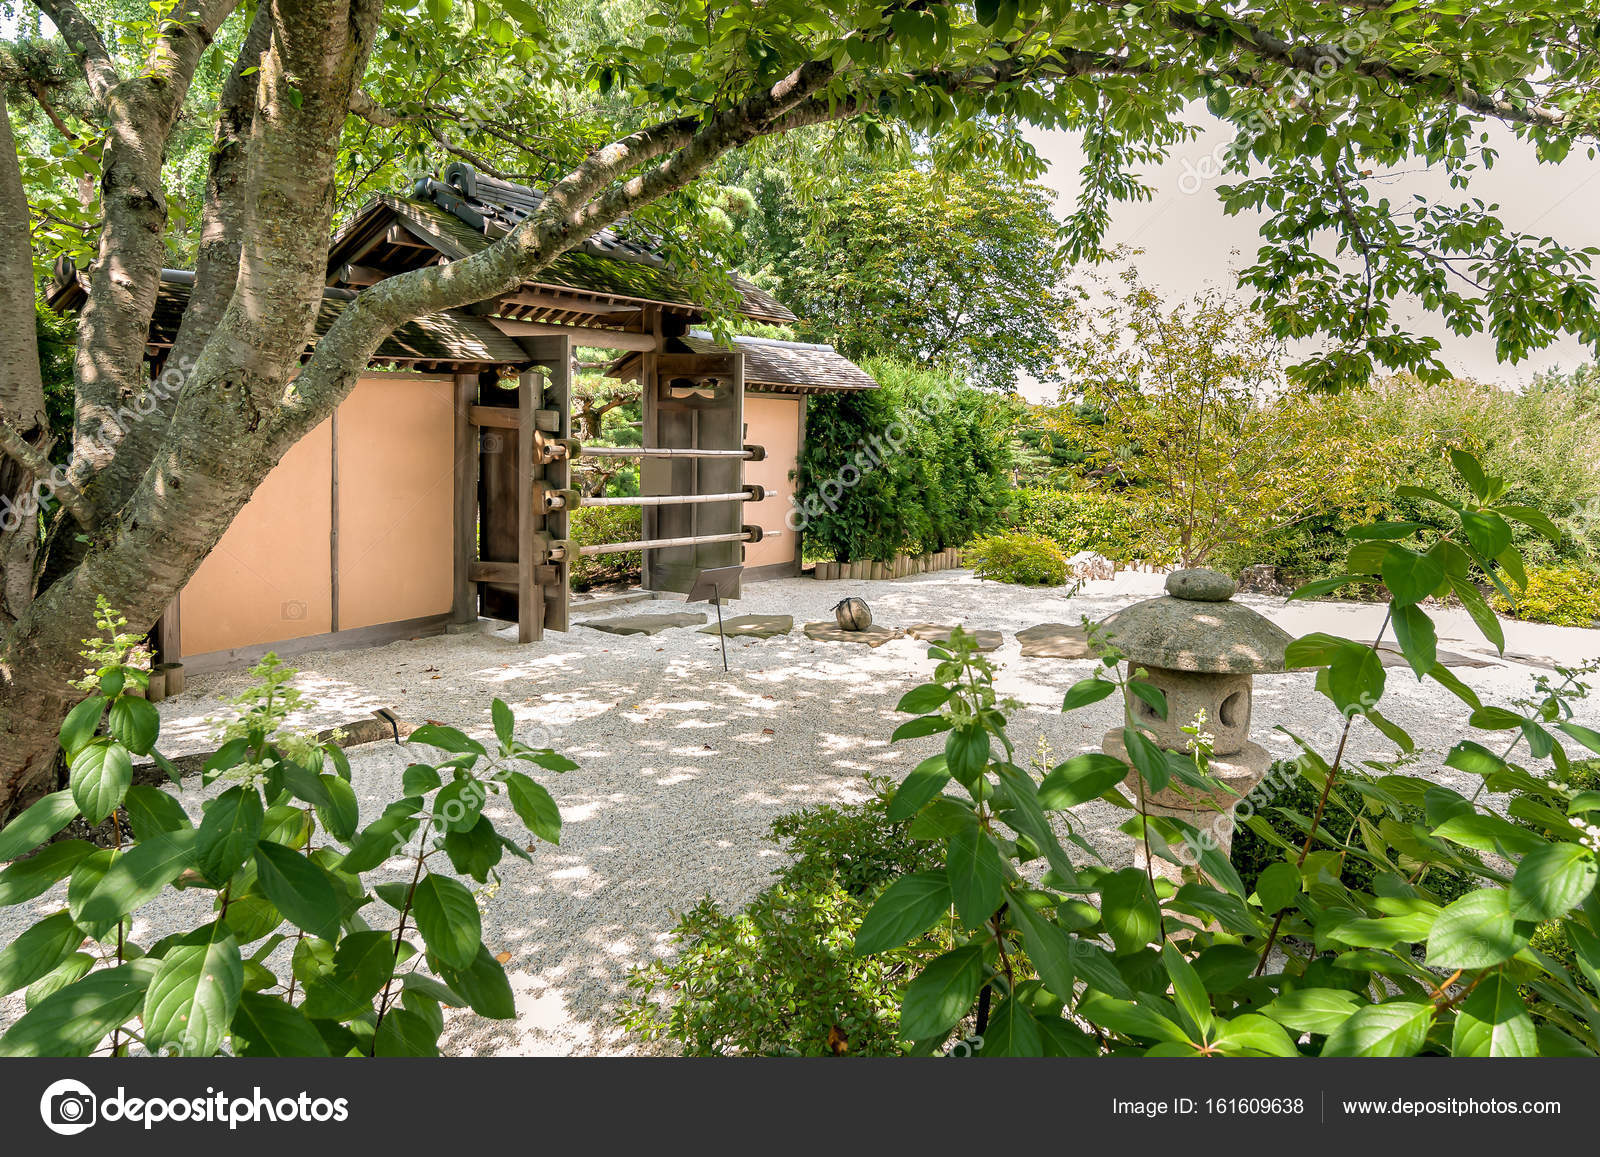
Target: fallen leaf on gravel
x,y
768,731
502,957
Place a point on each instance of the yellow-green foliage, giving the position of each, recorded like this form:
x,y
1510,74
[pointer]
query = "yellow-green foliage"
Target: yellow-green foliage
x,y
1110,523
1568,596
592,525
1018,558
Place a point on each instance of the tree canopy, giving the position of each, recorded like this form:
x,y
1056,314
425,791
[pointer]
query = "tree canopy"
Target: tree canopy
x,y
229,137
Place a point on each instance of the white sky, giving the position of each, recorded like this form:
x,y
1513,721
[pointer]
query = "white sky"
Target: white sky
x,y
1190,243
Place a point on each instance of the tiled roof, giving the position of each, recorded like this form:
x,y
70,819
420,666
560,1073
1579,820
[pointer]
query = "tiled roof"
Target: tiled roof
x,y
453,337
770,364
468,210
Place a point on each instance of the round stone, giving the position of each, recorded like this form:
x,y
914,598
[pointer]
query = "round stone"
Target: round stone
x,y
1200,585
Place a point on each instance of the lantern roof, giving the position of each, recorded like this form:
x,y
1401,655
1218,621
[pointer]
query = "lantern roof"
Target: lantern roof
x,y
1196,626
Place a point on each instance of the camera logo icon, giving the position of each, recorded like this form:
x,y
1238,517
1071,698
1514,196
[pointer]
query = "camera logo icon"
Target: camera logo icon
x,y
294,610
68,1107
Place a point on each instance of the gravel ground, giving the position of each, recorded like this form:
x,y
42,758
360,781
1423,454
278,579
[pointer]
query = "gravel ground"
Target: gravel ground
x,y
684,767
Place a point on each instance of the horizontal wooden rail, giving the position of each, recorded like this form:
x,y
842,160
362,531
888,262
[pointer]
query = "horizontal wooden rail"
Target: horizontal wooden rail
x,y
660,452
660,543
671,499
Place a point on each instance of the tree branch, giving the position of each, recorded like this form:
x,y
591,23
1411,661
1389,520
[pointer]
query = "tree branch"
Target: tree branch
x,y
85,42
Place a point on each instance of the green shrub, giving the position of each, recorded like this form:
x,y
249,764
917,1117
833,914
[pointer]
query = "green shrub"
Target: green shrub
x,y
781,977
917,465
1028,559
1108,522
592,525
1282,820
1567,596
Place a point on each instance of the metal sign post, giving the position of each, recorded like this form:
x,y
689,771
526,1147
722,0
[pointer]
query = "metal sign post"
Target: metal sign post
x,y
713,586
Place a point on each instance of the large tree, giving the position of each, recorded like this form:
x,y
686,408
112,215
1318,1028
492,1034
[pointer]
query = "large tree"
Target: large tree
x,y
309,100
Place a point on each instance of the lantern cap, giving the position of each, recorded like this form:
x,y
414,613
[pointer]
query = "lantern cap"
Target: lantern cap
x,y
1196,626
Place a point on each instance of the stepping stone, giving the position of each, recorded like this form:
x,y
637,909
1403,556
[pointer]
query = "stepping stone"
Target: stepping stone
x,y
940,633
1055,641
756,626
646,624
830,632
1391,656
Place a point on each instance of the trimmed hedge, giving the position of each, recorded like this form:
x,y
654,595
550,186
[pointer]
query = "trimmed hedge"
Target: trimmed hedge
x,y
592,525
1028,559
1106,522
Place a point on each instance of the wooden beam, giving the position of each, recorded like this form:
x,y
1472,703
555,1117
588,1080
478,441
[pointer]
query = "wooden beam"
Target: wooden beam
x,y
500,417
480,571
530,596
353,274
555,354
542,299
464,603
580,334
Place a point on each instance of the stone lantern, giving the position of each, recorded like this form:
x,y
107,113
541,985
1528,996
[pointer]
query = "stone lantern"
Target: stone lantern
x,y
1202,650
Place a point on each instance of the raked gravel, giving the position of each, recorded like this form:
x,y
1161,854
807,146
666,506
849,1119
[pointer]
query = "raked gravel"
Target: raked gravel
x,y
684,767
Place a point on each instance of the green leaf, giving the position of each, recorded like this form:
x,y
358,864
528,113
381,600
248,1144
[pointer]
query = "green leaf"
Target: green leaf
x,y
134,878
71,970
1396,1029
384,837
1418,640
72,1021
192,997
534,807
447,916
1322,587
135,722
942,993
459,803
1410,577
298,889
1278,886
405,1034
361,965
1087,691
917,728
1489,534
476,851
342,813
25,879
1585,736
265,1026
1012,1031
1473,600
1389,531
924,700
1471,472
1476,931
1493,1022
483,985
1148,757
1132,1019
1128,908
976,874
38,823
1535,520
152,811
505,723
1050,949
229,829
446,739
1552,881
1315,1010
81,723
1253,1033
966,752
1151,694
926,780
38,950
1080,779
1354,680
101,772
1188,992
419,779
906,909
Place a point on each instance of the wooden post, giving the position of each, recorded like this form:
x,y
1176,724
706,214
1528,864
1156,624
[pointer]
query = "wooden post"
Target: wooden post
x,y
464,605
333,522
530,596
554,355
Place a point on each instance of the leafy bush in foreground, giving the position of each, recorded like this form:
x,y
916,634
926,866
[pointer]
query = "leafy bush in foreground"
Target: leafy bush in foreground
x,y
303,955
1310,960
780,977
